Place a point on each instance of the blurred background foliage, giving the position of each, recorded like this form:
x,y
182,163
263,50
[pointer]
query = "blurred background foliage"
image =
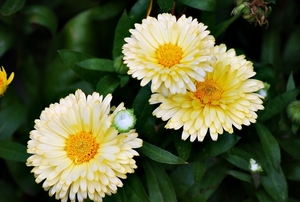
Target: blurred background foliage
x,y
55,47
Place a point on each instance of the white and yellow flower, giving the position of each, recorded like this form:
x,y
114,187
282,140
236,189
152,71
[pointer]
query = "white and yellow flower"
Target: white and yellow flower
x,y
77,153
225,98
169,53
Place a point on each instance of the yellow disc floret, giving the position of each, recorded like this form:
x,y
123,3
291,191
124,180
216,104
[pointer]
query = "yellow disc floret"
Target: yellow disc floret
x,y
208,92
169,55
81,147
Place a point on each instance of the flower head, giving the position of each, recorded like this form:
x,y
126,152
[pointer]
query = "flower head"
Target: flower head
x,y
76,152
4,82
225,98
168,52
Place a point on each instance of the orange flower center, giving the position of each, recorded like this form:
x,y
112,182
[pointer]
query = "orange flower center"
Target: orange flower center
x,y
1,82
81,147
168,55
208,92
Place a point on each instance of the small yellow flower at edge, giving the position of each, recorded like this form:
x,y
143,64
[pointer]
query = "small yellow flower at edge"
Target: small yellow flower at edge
x,y
4,81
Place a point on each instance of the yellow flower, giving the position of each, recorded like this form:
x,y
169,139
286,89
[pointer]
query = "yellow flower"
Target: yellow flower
x,y
76,152
171,53
226,98
4,82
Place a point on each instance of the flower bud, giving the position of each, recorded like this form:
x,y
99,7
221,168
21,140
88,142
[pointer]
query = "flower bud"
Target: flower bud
x,y
293,111
124,120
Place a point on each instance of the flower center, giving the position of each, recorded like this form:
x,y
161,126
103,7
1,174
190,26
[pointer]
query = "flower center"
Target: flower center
x,y
168,55
208,92
81,147
1,82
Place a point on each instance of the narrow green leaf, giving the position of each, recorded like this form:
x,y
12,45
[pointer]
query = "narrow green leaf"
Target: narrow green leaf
x,y
183,148
269,145
207,5
263,196
134,189
13,151
124,79
292,170
236,157
221,28
122,31
290,83
291,146
278,104
199,169
98,64
275,184
139,9
70,58
22,177
160,188
157,154
12,6
7,39
142,108
42,16
214,148
189,190
240,175
107,84
120,196
11,117
165,5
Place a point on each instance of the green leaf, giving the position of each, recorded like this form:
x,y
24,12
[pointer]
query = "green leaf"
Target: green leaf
x,y
13,151
199,169
238,157
291,146
98,64
107,84
120,196
240,176
165,5
122,31
142,108
7,39
263,196
22,177
41,15
183,148
221,28
11,117
139,10
292,170
187,189
134,189
207,5
160,188
214,148
269,145
291,83
70,58
157,154
278,104
275,184
12,6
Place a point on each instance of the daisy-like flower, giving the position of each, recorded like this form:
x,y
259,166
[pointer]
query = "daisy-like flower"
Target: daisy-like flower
x,y
169,52
4,82
77,153
226,98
